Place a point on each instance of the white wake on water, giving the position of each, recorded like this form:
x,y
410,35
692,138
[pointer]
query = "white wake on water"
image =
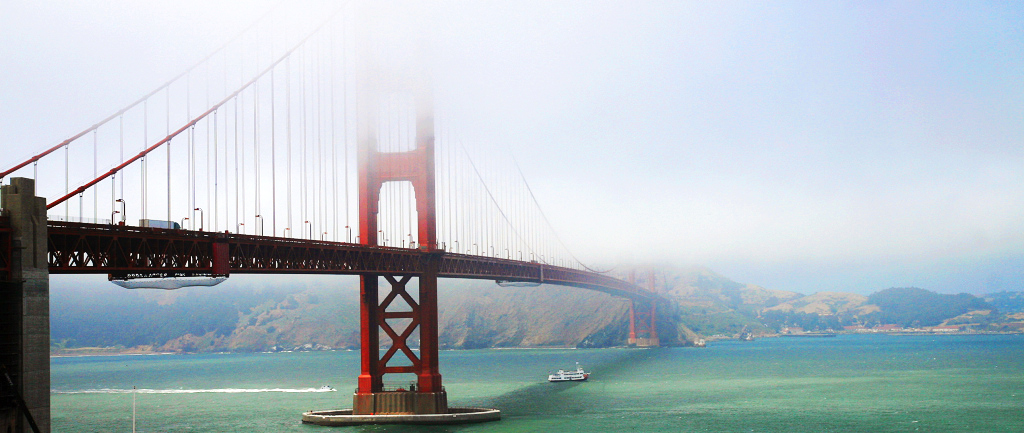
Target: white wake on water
x,y
192,391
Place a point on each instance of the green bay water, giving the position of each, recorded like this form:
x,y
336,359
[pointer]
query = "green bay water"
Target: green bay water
x,y
851,383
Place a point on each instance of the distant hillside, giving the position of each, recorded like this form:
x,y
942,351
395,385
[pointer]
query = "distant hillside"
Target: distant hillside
x,y
472,314
1006,302
698,286
828,304
268,314
710,304
911,306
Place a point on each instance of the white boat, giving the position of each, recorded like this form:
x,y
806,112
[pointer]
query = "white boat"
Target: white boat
x,y
326,388
565,376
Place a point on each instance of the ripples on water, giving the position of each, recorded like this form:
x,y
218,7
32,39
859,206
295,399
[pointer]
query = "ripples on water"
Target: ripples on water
x,y
844,384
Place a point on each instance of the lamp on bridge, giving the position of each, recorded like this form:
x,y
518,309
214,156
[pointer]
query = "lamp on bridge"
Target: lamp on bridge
x,y
201,217
260,219
124,210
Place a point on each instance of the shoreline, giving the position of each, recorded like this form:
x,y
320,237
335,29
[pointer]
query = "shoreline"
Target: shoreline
x,y
102,351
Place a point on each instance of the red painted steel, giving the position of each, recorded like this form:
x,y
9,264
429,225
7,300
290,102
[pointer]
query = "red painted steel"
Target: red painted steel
x,y
643,317
81,248
375,169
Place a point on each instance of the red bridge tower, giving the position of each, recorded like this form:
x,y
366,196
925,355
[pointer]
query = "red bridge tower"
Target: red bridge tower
x,y
375,169
643,326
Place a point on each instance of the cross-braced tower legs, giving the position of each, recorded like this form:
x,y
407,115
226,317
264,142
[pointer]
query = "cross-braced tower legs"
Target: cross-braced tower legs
x,y
426,395
643,328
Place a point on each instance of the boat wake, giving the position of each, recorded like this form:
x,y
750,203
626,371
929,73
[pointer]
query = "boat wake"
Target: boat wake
x,y
194,391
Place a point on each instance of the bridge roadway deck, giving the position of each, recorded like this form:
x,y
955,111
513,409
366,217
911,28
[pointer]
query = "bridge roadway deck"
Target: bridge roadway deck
x,y
81,248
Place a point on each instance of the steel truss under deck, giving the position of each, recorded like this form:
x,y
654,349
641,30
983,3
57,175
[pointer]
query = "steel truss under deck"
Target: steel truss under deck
x,y
125,251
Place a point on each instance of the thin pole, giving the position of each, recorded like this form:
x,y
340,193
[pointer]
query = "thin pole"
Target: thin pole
x,y
273,157
67,183
145,140
168,114
288,131
121,147
334,144
344,96
216,176
95,174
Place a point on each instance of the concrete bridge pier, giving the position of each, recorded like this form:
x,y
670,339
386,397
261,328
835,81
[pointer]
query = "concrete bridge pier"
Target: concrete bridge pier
x,y
24,307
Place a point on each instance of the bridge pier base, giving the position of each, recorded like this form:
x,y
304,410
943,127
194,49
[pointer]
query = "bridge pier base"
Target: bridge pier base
x,y
400,403
24,308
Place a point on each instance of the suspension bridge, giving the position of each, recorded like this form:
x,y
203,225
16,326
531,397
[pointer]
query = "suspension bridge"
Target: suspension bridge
x,y
318,153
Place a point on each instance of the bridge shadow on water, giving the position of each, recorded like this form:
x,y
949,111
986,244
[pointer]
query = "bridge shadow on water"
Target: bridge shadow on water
x,y
547,398
542,399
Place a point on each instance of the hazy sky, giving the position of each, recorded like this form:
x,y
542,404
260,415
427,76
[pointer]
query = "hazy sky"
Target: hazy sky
x,y
801,146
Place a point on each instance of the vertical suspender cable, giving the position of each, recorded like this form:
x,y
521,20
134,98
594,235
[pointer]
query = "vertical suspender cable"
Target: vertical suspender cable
x,y
318,146
216,173
67,183
273,158
344,129
145,139
168,114
241,158
208,156
302,153
190,191
256,130
237,220
95,174
288,132
334,144
120,122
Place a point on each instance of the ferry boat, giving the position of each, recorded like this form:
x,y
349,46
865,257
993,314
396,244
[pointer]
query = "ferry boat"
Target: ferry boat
x,y
566,376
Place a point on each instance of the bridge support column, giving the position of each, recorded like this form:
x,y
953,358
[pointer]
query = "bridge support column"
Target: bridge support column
x,y
425,395
417,167
643,327
24,308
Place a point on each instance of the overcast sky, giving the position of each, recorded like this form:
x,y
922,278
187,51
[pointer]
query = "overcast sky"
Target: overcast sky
x,y
802,146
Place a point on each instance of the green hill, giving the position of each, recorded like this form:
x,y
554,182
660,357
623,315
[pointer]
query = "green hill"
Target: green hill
x,y
911,306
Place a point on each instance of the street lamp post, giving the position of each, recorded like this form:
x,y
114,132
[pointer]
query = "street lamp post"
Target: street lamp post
x,y
201,218
124,210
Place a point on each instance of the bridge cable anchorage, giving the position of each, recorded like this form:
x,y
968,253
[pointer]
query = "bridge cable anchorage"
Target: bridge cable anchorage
x,y
192,122
141,100
559,239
